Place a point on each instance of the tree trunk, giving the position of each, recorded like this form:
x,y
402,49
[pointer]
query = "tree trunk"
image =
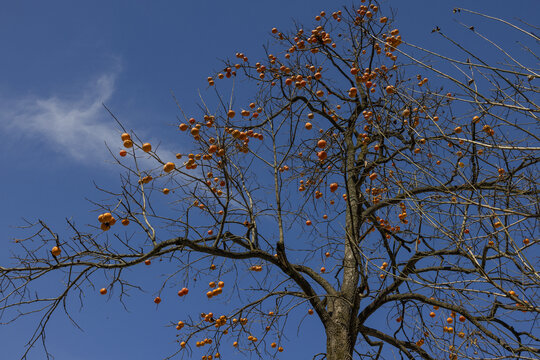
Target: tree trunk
x,y
339,343
340,330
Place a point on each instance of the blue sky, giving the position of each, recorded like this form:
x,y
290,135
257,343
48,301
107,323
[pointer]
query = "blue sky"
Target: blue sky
x,y
62,59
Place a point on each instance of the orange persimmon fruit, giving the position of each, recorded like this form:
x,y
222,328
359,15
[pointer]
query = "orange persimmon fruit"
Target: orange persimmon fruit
x,y
146,147
56,251
168,167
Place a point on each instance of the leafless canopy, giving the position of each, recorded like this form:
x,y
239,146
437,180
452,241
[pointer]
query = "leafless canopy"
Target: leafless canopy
x,y
370,179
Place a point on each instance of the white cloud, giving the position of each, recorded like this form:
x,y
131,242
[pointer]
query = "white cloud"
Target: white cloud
x,y
73,127
77,126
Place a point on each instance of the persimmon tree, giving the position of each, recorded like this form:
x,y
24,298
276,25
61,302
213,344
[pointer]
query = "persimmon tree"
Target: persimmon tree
x,y
356,177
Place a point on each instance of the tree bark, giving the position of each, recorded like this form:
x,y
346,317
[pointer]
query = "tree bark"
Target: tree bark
x,y
339,342
341,331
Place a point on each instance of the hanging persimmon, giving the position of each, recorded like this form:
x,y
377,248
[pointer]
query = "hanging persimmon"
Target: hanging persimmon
x,y
56,251
390,89
168,167
146,147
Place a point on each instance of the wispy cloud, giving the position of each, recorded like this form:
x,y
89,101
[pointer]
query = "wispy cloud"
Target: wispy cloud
x,y
73,127
77,126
